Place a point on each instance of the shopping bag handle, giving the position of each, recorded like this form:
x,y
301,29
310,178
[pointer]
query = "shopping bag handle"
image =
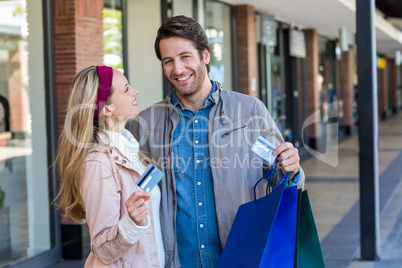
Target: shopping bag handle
x,y
270,183
268,173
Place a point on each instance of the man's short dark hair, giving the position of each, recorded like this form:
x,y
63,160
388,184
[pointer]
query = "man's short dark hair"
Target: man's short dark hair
x,y
185,27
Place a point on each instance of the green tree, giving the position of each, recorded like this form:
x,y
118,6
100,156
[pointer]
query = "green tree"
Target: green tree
x,y
113,38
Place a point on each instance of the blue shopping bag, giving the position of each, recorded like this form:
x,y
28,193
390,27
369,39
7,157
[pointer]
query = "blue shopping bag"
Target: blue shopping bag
x,y
280,249
263,233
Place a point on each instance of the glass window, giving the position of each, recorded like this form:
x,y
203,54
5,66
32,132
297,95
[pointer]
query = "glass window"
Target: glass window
x,y
113,34
276,84
219,33
24,190
325,85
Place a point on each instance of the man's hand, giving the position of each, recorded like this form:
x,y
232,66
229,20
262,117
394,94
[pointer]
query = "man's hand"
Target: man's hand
x,y
288,161
136,207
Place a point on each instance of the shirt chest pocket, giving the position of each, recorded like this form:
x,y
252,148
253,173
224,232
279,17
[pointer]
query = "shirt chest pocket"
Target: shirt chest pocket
x,y
234,136
234,130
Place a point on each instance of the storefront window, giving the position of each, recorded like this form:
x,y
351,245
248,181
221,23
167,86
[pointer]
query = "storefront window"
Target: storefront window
x,y
276,77
24,182
218,30
325,86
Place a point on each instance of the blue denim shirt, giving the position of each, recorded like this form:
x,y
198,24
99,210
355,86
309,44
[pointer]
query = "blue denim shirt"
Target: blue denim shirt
x,y
197,228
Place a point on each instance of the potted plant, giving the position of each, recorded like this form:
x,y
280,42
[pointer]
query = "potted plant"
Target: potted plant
x,y
2,197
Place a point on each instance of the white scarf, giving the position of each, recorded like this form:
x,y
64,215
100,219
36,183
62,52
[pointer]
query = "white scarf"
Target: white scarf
x,y
127,145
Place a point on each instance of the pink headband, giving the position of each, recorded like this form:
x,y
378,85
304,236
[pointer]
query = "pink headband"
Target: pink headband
x,y
105,74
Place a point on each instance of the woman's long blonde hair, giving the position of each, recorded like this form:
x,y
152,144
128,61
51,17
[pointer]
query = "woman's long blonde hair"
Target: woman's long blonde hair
x,y
79,135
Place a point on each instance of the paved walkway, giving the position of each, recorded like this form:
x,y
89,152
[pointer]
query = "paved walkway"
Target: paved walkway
x,y
334,194
333,188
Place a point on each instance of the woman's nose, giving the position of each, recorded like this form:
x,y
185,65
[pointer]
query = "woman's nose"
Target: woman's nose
x,y
134,91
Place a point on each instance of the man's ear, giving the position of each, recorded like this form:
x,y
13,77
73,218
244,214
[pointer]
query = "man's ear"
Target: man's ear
x,y
106,111
207,56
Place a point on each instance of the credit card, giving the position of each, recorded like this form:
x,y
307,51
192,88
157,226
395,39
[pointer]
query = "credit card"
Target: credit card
x,y
150,178
264,149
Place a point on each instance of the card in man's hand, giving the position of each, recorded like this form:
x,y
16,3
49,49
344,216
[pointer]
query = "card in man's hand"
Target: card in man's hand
x,y
265,149
150,178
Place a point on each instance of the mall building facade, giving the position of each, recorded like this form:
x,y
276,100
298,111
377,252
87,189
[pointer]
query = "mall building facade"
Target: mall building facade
x,y
300,65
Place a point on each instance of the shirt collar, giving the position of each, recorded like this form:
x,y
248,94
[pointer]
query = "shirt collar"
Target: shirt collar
x,y
208,102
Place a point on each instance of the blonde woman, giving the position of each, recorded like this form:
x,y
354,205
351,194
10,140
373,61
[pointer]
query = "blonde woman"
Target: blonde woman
x,y
99,163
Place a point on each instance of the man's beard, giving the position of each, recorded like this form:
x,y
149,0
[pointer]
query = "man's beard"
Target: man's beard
x,y
197,83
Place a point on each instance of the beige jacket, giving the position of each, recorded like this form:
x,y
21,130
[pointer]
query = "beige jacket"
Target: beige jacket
x,y
108,180
235,123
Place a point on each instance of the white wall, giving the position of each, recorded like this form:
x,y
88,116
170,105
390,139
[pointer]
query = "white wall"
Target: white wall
x,y
183,7
145,71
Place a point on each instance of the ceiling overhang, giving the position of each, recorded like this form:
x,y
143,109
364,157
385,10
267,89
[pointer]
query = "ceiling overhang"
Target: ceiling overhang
x,y
391,8
327,16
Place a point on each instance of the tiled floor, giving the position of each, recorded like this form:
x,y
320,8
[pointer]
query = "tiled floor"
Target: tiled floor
x,y
334,196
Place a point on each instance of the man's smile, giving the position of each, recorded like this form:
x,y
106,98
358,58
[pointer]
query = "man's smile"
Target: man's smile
x,y
184,78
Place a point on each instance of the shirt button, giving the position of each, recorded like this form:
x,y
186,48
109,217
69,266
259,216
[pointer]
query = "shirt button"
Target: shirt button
x,y
202,246
201,225
198,161
116,158
199,183
200,203
196,141
196,121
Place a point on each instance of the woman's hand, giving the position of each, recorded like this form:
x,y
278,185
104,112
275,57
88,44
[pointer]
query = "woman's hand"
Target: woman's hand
x,y
136,208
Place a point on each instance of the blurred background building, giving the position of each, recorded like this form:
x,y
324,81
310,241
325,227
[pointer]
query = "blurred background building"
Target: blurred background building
x,y
298,57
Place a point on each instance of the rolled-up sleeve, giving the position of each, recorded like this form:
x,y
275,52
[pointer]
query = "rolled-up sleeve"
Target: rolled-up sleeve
x,y
270,132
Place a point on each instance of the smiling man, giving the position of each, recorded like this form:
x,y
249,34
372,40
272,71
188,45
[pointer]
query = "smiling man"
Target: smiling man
x,y
185,68
201,137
